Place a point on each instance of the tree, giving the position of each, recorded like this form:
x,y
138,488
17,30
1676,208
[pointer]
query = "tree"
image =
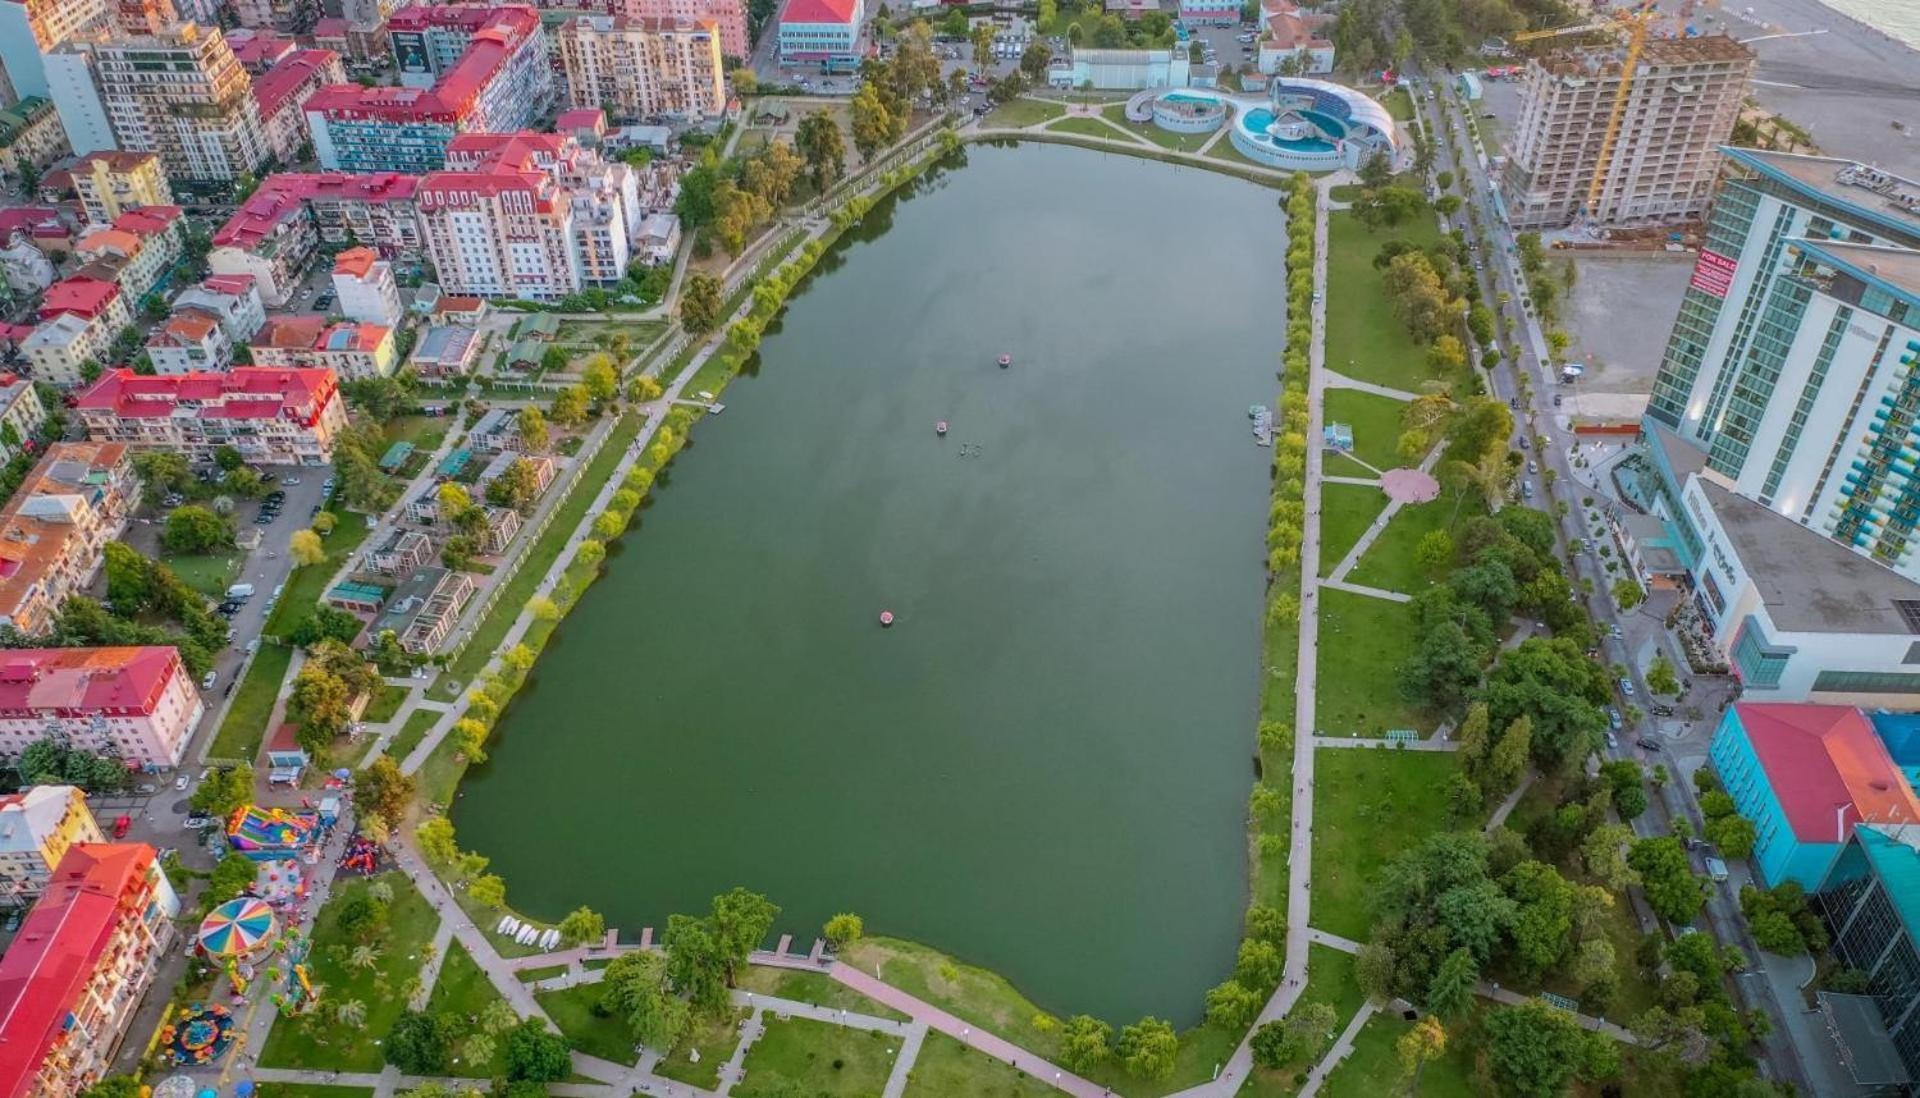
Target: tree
x,y
738,923
193,529
1672,890
1555,685
435,836
488,890
224,790
320,704
231,877
872,122
1447,355
772,172
1232,1004
1085,1042
1451,990
1259,964
1660,676
1147,1049
420,1044
530,424
844,929
700,303
1426,1041
536,1054
569,407
1734,835
382,790
516,487
823,147
114,1086
982,38
1267,924
581,926
1433,554
1508,760
1535,1049
635,988
1627,593
695,966
163,470
305,548
737,212
1604,853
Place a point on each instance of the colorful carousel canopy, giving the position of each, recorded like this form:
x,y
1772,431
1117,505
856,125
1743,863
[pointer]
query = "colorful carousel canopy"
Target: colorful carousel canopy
x,y
236,928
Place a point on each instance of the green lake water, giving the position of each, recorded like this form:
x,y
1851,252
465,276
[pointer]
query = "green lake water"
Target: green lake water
x,y
1043,768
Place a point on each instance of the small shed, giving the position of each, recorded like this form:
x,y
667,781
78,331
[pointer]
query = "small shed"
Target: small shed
x,y
396,456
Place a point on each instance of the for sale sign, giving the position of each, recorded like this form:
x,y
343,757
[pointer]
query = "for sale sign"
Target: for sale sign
x,y
1713,273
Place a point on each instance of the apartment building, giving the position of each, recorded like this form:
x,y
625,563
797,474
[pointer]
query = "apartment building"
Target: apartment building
x,y
643,68
1871,906
364,284
138,703
463,69
54,529
284,16
37,828
32,29
275,233
352,350
604,196
500,234
259,49
1290,39
191,341
79,319
21,414
178,92
1682,101
111,183
272,416
400,553
79,967
281,95
821,30
31,136
233,300
133,251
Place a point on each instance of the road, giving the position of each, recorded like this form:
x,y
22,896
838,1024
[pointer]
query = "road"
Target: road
x,y
1784,1058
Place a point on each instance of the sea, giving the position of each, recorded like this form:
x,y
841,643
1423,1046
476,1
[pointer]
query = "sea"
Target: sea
x,y
1899,18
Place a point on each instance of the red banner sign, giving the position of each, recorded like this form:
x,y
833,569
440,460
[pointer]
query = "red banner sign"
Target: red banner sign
x,y
1713,273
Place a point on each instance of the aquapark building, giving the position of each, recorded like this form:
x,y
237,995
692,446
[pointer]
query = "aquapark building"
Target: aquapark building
x,y
1300,125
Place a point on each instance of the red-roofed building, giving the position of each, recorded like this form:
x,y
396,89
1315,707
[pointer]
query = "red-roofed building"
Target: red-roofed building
x,y
821,30
79,318
275,232
40,224
138,703
191,340
1807,775
352,350
281,94
233,300
75,974
272,416
463,68
53,531
258,48
1287,33
135,250
586,125
87,297
364,285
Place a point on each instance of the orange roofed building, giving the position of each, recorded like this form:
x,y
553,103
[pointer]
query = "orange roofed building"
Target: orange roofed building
x,y
54,529
74,975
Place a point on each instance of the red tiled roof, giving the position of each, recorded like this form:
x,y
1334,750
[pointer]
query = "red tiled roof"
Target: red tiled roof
x,y
257,48
262,392
145,221
329,28
235,284
80,295
58,949
273,89
1827,767
495,34
32,220
586,118
192,326
355,262
117,681
282,196
818,11
294,333
438,189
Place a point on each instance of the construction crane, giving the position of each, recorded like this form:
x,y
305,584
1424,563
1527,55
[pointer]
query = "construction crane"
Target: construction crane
x,y
1635,24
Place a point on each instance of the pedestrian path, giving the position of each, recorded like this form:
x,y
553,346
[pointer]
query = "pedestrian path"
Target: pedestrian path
x,y
1506,807
1370,592
1373,531
1342,381
1340,1050
430,972
1432,744
903,1063
1333,941
1365,482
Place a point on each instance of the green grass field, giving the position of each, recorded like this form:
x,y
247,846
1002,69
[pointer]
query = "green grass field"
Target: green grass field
x,y
1373,1068
412,732
572,1011
308,582
819,1059
387,700
1346,510
1369,804
210,575
1088,127
1375,421
1389,561
245,725
463,991
315,1040
813,987
1363,642
714,1039
1330,980
1364,339
945,1067
1223,150
1340,465
1166,139
1023,112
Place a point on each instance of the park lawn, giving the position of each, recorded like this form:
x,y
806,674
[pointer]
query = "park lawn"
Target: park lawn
x,y
714,1039
425,432
572,1010
535,975
245,725
1088,127
387,700
309,1090
1365,340
813,987
314,1041
309,581
539,560
1373,1068
412,732
1369,805
1389,561
1363,643
1023,112
1223,150
1341,465
1375,420
1330,980
1346,511
945,1067
463,991
819,1059
986,999
1399,104
210,574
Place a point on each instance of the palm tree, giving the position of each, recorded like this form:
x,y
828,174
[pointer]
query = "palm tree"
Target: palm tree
x,y
353,1012
363,956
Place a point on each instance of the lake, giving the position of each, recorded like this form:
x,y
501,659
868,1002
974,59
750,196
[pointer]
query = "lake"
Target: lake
x,y
1043,766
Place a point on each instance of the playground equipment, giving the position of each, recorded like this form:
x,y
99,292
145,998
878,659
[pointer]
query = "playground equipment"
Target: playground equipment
x,y
236,928
202,1036
267,833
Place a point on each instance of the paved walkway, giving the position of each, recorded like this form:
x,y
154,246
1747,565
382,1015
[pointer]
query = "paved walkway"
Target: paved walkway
x,y
1373,532
1369,592
1333,941
1340,1050
1430,744
1342,381
1364,482
1505,807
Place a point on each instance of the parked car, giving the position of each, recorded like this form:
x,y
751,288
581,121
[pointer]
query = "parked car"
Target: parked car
x,y
205,684
1663,710
1646,743
1626,686
1613,716
180,783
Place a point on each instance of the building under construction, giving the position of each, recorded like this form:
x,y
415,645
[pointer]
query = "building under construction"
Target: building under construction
x,y
1646,159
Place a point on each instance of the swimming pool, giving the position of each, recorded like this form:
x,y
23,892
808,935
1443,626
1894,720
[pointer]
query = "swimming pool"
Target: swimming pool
x,y
1258,119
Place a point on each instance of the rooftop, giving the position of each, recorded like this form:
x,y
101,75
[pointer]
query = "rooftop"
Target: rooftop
x,y
272,89
1809,582
355,262
818,11
78,295
1896,270
1901,733
1703,49
54,956
1895,854
115,160
284,195
1827,768
90,680
29,817
246,392
1878,196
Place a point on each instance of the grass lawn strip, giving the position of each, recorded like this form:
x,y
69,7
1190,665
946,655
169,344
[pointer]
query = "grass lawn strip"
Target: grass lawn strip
x,y
1330,980
1369,804
535,975
1389,562
387,700
314,1041
1365,340
245,725
412,732
1023,112
1363,643
572,1010
1223,149
1089,127
816,988
1375,420
1346,510
945,1067
1373,1068
210,575
463,991
817,1059
714,1039
1166,139
309,581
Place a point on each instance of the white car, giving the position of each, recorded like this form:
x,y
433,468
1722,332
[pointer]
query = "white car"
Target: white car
x,y
180,783
206,684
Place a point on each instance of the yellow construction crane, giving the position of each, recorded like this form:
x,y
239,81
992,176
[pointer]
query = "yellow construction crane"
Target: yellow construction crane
x,y
1635,24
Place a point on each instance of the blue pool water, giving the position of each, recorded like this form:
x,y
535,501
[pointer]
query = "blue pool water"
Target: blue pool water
x,y
1258,119
1176,97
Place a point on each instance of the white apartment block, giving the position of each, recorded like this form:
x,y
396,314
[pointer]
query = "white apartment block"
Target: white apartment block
x,y
643,68
366,289
182,94
273,417
138,703
500,234
1682,101
37,828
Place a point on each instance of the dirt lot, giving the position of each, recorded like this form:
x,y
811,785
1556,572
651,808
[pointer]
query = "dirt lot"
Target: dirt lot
x,y
1621,358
